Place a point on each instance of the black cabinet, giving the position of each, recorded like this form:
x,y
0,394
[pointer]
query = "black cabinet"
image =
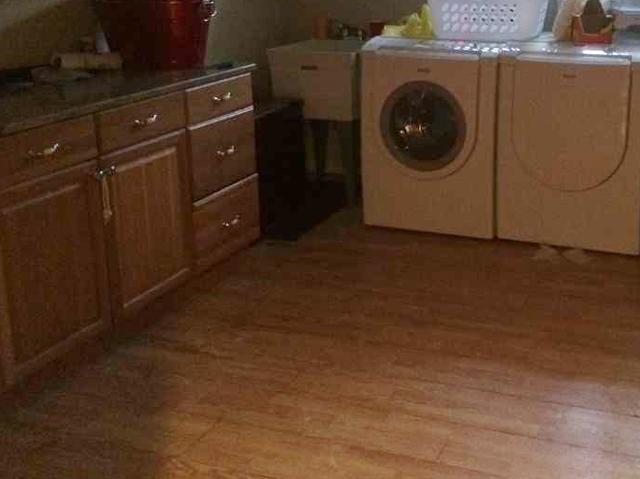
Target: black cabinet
x,y
291,203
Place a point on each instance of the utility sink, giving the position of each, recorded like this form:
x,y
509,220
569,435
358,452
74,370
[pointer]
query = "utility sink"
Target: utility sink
x,y
322,73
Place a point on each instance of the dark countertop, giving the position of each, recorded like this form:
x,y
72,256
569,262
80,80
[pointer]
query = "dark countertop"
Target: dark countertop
x,y
45,104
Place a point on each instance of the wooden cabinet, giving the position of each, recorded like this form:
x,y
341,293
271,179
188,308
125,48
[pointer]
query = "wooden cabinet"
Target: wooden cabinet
x,y
149,228
52,269
85,243
224,187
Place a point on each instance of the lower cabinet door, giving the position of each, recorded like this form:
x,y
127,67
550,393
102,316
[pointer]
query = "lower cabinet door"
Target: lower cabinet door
x,y
53,280
149,227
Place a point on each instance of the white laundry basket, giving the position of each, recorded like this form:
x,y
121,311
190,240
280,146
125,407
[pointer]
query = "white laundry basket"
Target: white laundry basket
x,y
488,20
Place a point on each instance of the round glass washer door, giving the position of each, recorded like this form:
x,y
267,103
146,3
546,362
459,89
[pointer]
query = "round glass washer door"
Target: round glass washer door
x,y
423,126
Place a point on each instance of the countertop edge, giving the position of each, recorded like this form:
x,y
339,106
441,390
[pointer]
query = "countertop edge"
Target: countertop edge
x,y
13,128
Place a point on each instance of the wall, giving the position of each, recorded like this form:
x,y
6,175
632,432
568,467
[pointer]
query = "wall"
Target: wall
x,y
355,12
31,29
551,13
244,29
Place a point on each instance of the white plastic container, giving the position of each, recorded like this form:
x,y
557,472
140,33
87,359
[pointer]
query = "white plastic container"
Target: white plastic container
x,y
488,20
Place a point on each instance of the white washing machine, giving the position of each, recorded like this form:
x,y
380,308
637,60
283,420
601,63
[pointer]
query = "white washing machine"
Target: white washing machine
x,y
569,147
428,135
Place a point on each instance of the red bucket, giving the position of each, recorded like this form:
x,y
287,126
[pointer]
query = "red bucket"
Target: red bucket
x,y
165,34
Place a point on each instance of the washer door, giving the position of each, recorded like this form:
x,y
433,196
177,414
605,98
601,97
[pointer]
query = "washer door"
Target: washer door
x,y
570,118
423,126
425,106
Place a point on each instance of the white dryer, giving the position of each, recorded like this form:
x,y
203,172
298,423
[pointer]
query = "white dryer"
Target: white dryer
x,y
569,147
428,135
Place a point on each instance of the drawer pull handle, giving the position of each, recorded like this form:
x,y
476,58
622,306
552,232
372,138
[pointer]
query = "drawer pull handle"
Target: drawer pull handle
x,y
309,68
225,152
147,121
46,153
102,176
218,100
233,222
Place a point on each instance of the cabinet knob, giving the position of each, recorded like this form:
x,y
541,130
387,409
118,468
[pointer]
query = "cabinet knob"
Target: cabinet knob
x,y
218,100
225,152
235,221
46,153
150,120
101,174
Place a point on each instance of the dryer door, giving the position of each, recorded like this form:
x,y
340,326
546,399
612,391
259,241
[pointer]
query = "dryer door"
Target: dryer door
x,y
427,108
570,118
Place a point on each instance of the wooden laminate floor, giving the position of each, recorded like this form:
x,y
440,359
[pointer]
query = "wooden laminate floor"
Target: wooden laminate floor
x,y
360,353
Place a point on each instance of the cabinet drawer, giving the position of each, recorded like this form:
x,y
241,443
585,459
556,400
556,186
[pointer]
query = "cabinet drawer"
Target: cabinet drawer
x,y
46,149
214,100
140,121
222,153
226,222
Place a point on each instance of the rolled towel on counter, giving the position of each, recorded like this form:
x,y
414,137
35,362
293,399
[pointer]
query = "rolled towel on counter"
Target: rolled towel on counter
x,y
87,61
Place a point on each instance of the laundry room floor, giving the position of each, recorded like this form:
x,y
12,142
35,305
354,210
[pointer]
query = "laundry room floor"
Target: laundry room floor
x,y
359,353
